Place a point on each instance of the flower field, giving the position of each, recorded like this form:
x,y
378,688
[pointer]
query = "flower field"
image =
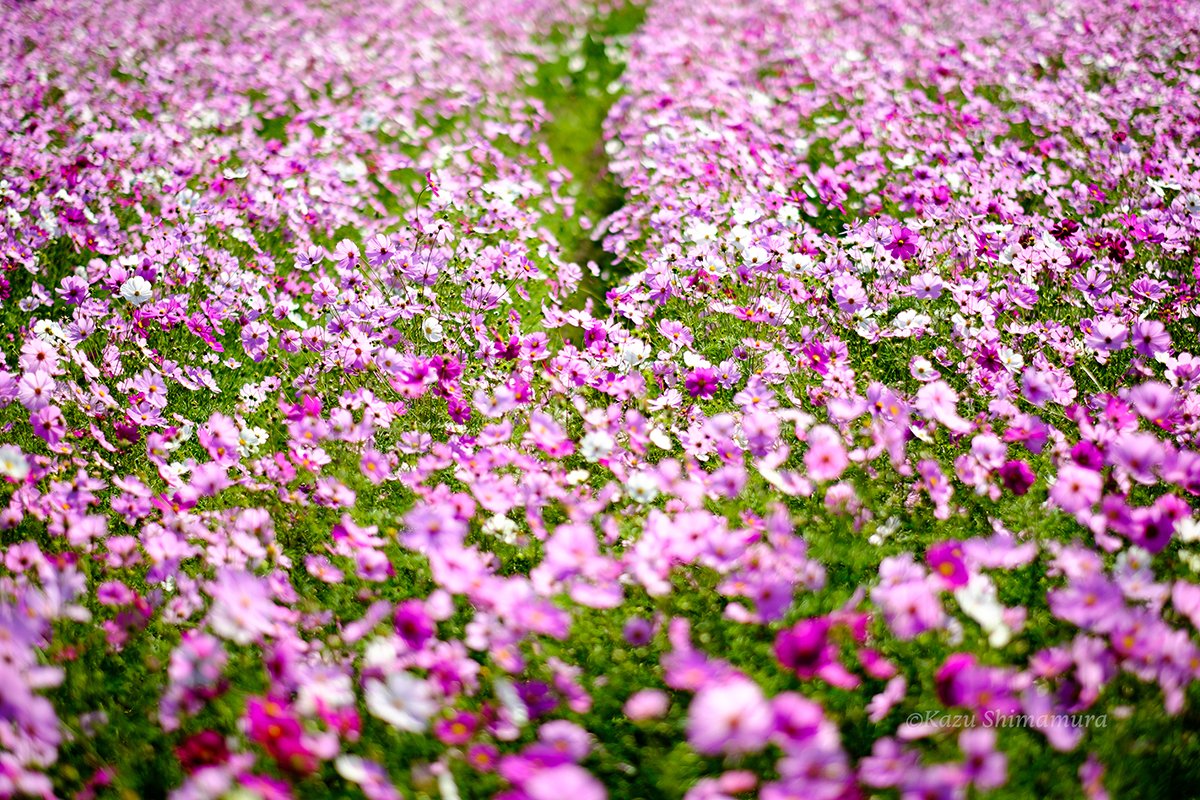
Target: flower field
x,y
629,399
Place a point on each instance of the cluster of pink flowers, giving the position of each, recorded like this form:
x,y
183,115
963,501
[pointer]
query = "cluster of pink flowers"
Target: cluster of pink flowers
x,y
304,412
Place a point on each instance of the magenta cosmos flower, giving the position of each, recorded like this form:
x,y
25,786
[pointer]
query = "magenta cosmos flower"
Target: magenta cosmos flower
x,y
701,383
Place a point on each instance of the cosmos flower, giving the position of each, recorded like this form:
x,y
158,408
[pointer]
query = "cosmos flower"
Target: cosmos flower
x,y
309,392
1076,489
137,290
564,780
1017,477
13,464
243,610
701,383
730,716
402,700
431,329
35,390
646,704
903,243
946,561
825,458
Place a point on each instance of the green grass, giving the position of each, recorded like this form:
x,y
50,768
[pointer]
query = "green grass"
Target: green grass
x,y
578,89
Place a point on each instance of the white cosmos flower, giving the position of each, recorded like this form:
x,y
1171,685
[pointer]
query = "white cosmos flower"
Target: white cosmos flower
x,y
447,788
518,712
1011,359
597,445
328,688
49,331
642,487
136,290
747,214
352,768
382,652
12,463
922,369
741,236
884,531
756,256
978,601
250,439
576,477
701,232
403,701
501,527
432,330
634,352
661,439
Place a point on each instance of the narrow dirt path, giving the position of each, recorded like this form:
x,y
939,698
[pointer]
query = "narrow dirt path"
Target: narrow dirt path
x,y
578,90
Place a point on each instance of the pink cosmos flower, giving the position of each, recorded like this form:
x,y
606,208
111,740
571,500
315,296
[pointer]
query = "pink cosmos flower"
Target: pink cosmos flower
x,y
1106,335
1156,402
985,766
375,466
564,781
35,389
893,692
729,716
904,594
1186,599
939,401
646,704
48,424
243,610
380,251
1139,454
826,457
1076,489
1150,337
456,730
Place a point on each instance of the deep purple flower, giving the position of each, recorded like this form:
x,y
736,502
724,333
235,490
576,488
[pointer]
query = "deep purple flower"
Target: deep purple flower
x,y
1088,456
1017,477
638,631
1153,527
413,623
947,677
459,411
203,749
805,648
